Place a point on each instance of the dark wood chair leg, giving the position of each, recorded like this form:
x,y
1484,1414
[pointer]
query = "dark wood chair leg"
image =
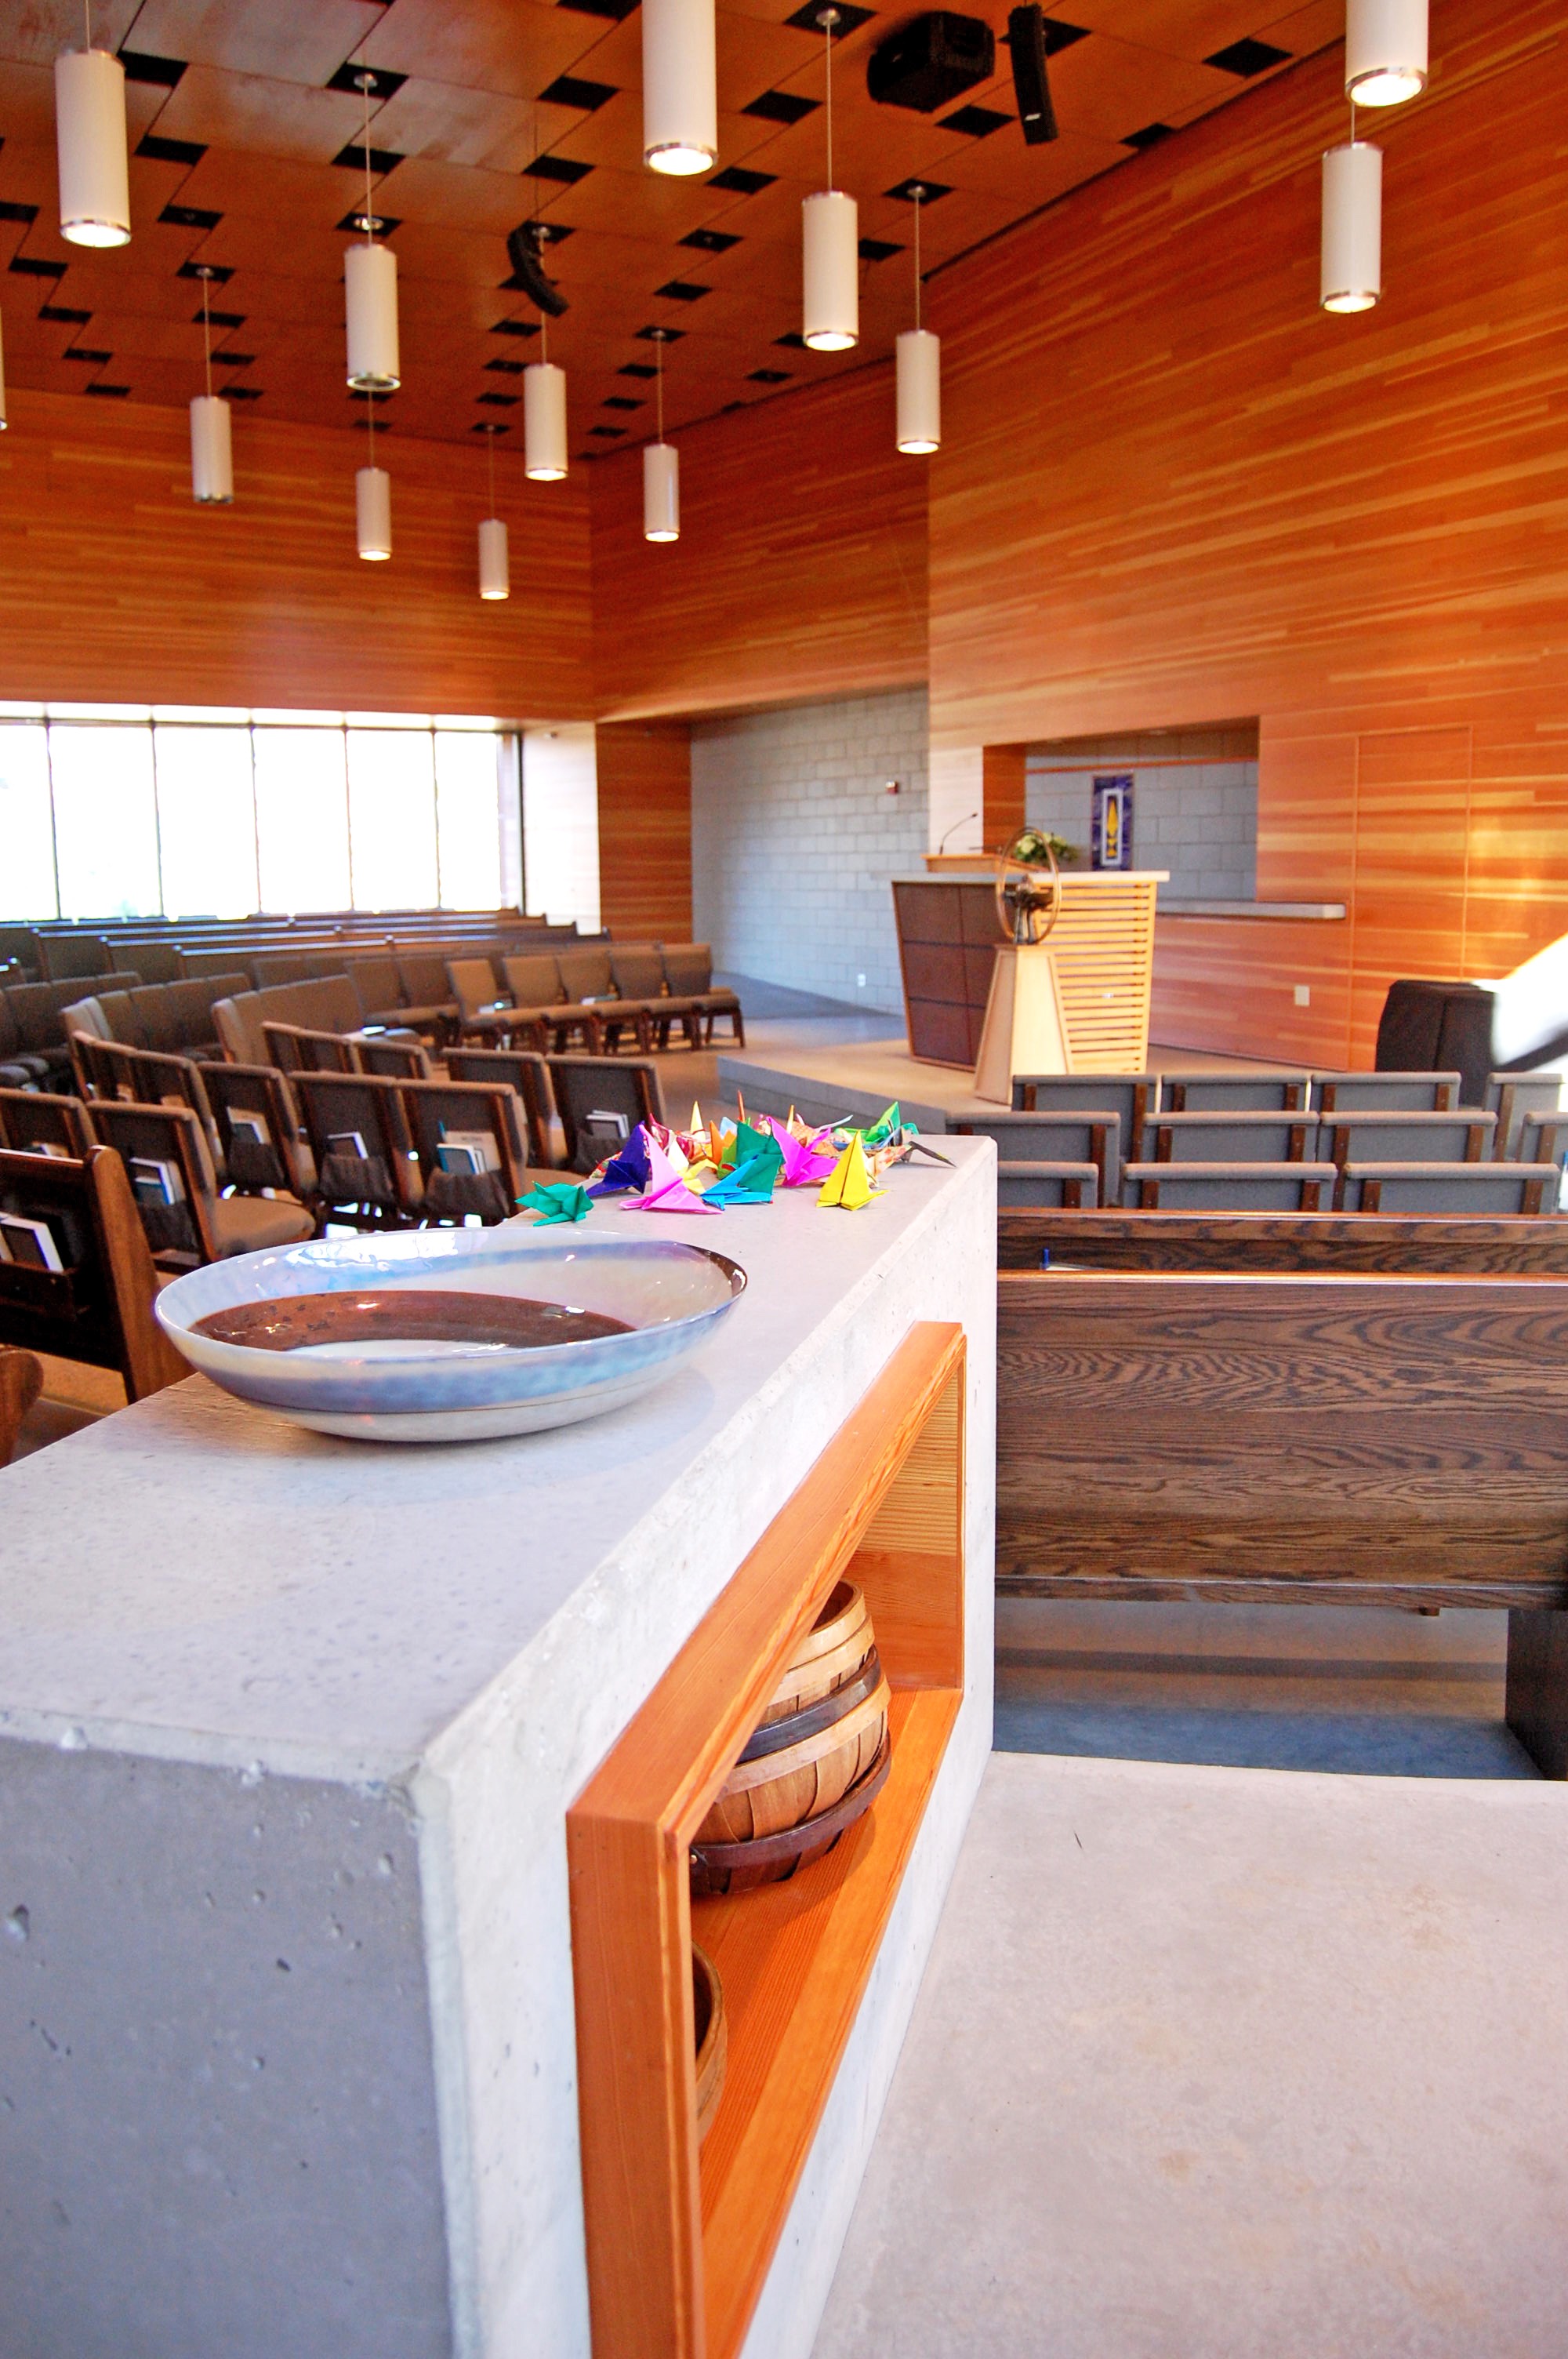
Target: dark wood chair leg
x,y
1537,1703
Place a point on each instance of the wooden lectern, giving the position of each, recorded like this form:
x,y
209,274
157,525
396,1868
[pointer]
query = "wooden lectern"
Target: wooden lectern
x,y
1103,946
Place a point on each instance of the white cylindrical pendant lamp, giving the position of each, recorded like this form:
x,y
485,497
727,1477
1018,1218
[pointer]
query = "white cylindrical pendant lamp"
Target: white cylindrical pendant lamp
x,y
370,281
212,452
495,559
919,392
661,491
830,252
1385,50
372,511
544,421
90,134
680,87
3,421
1352,227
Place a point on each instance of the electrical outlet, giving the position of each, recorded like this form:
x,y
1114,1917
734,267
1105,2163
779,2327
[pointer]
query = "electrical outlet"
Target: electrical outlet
x,y
1303,995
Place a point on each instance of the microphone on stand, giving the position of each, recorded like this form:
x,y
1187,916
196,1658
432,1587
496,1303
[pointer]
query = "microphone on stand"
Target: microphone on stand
x,y
957,823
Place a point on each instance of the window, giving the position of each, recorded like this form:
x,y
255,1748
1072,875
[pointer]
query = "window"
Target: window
x,y
27,828
111,810
302,820
469,807
392,818
105,820
206,821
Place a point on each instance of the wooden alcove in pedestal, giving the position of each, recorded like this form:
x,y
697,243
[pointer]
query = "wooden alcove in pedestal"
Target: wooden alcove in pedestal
x,y
679,2239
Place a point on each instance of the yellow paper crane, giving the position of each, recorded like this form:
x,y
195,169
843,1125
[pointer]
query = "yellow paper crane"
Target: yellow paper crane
x,y
848,1184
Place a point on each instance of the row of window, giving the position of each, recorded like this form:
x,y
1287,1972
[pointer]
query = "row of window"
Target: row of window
x,y
133,819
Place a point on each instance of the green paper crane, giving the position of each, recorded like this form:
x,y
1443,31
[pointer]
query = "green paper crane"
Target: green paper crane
x,y
556,1203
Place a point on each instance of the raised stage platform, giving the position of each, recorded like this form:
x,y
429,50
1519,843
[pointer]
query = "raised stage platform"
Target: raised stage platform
x,y
829,1080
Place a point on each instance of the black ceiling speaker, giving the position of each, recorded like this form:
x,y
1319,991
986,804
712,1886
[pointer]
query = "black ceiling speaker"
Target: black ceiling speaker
x,y
524,247
1031,80
931,60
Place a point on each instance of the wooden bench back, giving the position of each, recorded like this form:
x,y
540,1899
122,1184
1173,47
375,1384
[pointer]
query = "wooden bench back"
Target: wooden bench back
x,y
98,1308
1362,1244
1361,1439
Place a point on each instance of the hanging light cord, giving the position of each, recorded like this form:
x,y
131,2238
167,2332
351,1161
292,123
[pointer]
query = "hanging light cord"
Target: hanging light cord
x,y
828,19
659,381
917,192
87,23
367,81
490,440
207,331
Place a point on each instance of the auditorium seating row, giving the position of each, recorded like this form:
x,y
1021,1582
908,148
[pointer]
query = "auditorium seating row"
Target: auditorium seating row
x,y
228,1159
590,994
1311,1143
167,949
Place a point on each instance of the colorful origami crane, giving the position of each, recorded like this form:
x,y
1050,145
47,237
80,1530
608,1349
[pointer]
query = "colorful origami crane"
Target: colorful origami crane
x,y
628,1168
807,1161
555,1202
848,1186
756,1163
668,1188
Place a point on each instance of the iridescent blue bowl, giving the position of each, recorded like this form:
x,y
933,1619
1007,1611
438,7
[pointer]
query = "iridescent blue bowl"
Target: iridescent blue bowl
x,y
670,1296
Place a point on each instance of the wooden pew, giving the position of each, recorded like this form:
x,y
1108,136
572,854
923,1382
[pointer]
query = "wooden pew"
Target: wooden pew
x,y
99,1307
1347,1439
1340,1243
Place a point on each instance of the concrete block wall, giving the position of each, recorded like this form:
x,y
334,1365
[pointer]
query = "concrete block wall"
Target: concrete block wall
x,y
795,841
1194,804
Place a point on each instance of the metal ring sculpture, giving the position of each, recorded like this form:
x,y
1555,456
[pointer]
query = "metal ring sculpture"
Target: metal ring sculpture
x,y
1026,907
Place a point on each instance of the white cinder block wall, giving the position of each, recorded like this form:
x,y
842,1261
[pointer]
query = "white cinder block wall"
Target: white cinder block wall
x,y
795,842
1196,816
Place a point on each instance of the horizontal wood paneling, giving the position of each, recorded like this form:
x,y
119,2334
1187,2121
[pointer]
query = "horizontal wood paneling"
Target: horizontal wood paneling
x,y
115,587
1162,1436
644,830
800,571
1170,489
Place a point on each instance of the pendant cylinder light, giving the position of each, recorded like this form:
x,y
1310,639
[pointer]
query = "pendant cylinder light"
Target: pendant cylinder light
x,y
919,392
1385,51
495,559
1352,227
680,90
544,422
372,511
831,254
90,133
660,492
4,420
212,452
370,279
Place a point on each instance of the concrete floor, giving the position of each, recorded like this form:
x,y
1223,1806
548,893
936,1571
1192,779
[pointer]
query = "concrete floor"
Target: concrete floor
x,y
1261,1687
1213,2063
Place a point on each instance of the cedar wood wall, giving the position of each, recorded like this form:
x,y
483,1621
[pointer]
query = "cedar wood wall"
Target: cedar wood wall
x,y
1170,491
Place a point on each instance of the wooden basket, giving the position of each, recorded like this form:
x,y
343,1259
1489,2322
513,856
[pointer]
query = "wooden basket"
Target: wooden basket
x,y
718,1868
712,2038
831,1652
775,1791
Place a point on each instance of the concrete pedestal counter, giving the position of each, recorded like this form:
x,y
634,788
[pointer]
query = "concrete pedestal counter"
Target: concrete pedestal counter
x,y
288,1731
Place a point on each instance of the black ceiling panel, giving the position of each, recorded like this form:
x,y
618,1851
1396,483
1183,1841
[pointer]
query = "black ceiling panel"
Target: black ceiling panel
x,y
164,73
782,106
1246,58
570,90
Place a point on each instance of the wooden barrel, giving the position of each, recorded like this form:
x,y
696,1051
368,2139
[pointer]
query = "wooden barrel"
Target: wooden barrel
x,y
712,2038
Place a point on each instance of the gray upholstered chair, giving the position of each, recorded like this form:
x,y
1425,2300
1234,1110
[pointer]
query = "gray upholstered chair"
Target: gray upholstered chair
x,y
1229,1187
1490,1191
